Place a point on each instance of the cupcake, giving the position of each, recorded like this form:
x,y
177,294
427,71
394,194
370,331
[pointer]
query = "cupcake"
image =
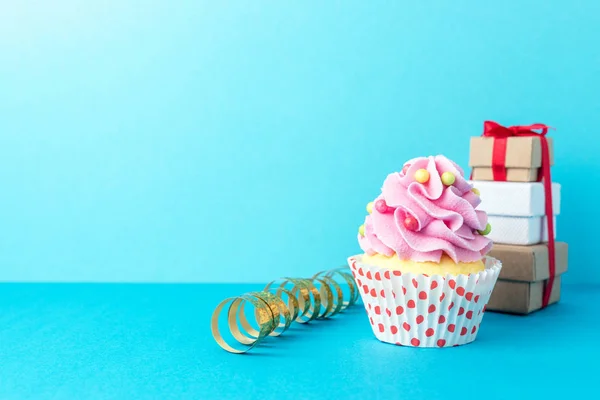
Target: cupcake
x,y
424,276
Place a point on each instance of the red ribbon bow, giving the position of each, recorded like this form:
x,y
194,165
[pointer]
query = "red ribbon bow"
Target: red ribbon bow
x,y
501,134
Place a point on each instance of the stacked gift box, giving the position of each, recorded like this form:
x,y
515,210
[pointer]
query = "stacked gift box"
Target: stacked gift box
x,y
511,171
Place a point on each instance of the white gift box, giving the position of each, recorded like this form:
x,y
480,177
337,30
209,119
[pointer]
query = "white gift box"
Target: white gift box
x,y
519,230
516,210
516,199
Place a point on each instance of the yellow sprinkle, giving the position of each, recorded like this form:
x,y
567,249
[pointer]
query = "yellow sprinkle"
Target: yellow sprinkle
x,y
422,175
476,191
361,230
370,207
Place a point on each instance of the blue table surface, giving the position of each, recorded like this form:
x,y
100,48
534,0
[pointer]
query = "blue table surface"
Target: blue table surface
x,y
138,341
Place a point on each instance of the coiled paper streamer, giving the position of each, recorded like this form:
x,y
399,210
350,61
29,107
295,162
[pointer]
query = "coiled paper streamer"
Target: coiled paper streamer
x,y
280,303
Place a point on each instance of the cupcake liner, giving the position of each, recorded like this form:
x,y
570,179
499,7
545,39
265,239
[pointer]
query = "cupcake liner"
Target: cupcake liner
x,y
424,311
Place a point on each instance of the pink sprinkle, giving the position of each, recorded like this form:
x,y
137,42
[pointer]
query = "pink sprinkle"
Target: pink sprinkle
x,y
405,169
411,223
381,206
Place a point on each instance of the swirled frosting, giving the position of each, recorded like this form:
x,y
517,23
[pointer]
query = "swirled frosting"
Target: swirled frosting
x,y
442,217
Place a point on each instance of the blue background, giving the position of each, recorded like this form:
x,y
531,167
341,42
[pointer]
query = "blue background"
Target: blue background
x,y
221,141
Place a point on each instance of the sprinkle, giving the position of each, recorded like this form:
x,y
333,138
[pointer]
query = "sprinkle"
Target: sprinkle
x,y
487,230
422,176
361,230
411,223
448,178
370,207
476,191
381,206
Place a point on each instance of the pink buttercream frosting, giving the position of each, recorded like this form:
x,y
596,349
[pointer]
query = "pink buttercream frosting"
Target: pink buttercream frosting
x,y
446,218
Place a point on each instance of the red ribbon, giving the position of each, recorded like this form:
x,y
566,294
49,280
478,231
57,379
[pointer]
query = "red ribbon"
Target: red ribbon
x,y
501,134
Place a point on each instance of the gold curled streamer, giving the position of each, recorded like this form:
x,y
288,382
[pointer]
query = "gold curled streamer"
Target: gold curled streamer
x,y
265,323
326,295
333,287
293,300
318,297
310,307
302,289
271,302
352,292
263,315
335,296
282,311
347,277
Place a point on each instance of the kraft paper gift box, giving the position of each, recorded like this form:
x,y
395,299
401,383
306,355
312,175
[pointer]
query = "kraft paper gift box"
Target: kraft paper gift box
x,y
524,274
521,297
523,158
516,211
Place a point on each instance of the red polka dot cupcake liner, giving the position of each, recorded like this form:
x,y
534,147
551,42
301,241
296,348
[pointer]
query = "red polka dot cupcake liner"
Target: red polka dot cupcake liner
x,y
424,311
